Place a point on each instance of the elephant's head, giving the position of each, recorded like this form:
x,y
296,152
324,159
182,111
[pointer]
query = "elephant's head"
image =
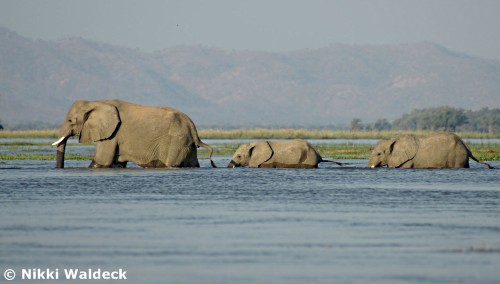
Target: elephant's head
x,y
393,152
252,155
90,121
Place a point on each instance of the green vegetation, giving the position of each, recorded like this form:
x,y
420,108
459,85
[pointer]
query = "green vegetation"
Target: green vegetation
x,y
26,150
283,133
42,157
29,134
336,151
344,151
267,133
34,144
441,118
484,152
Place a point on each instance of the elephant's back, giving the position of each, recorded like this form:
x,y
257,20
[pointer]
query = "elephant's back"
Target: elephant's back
x,y
164,134
297,151
442,150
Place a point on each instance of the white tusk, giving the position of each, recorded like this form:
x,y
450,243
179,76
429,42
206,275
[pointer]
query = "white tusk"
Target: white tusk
x,y
58,141
373,166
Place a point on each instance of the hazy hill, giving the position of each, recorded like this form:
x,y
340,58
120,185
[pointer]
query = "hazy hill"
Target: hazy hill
x,y
329,86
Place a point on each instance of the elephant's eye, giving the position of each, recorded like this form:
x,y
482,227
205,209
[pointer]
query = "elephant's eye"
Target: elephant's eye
x,y
378,154
239,156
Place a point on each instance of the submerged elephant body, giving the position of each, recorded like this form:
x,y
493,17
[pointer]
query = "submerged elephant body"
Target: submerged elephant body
x,y
126,132
440,150
276,154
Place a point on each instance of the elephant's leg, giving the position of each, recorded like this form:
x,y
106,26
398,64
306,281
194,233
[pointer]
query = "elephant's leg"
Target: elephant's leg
x,y
192,159
461,158
181,154
105,152
120,165
185,156
461,161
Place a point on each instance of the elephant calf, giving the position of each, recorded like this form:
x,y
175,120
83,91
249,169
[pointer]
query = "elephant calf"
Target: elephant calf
x,y
439,150
277,154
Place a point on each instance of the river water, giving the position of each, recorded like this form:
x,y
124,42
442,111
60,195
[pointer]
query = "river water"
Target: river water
x,y
334,224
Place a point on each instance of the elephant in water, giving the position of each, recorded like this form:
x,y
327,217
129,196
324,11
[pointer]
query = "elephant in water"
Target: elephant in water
x,y
439,150
126,132
277,154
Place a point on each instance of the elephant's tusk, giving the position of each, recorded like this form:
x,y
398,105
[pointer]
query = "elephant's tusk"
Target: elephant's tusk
x,y
372,166
58,141
232,164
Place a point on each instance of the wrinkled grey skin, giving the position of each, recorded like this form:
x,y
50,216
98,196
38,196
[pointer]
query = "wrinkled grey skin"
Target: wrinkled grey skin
x,y
125,132
277,154
439,150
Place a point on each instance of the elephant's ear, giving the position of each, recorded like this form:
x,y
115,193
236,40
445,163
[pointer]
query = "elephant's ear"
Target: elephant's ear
x,y
260,153
101,121
403,149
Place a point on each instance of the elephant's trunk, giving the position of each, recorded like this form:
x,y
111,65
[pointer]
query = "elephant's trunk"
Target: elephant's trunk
x,y
232,164
61,149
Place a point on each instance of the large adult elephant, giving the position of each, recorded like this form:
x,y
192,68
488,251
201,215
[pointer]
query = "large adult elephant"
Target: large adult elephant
x,y
438,150
126,132
277,154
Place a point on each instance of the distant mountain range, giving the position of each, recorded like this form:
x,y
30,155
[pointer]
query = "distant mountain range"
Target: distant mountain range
x,y
39,80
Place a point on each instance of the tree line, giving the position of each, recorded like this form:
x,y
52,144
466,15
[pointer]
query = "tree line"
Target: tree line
x,y
444,118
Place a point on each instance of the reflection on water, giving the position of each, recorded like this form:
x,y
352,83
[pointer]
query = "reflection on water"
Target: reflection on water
x,y
328,225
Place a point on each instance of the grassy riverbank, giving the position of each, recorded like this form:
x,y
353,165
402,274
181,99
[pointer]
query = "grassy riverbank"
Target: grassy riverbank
x,y
264,133
484,152
29,134
26,150
41,151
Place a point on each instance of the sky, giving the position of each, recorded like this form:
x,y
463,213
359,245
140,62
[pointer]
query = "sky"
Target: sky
x,y
465,26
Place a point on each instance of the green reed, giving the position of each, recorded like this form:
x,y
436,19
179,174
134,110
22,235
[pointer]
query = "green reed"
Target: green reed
x,y
21,150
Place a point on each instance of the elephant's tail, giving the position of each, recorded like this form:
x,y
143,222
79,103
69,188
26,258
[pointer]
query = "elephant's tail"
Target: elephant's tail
x,y
475,159
199,143
484,163
210,151
331,161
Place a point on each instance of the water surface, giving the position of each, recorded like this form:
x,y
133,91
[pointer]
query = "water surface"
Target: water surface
x,y
328,225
